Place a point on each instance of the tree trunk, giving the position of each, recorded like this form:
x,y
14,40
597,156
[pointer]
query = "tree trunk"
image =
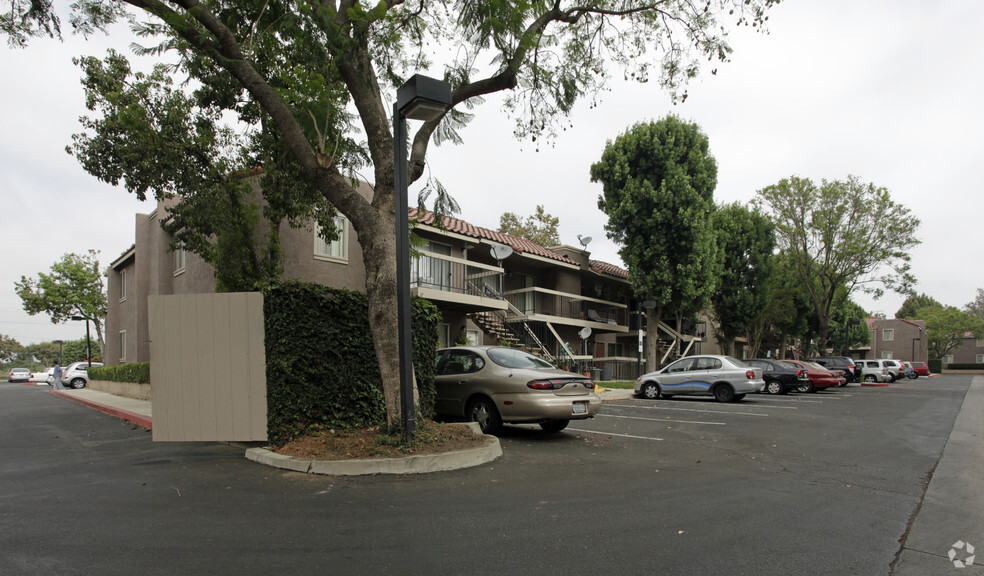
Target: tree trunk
x,y
653,318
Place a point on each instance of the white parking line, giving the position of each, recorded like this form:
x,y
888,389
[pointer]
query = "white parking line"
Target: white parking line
x,y
691,410
614,434
660,419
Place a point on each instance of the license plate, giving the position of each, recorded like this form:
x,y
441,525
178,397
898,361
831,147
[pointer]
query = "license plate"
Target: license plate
x,y
580,408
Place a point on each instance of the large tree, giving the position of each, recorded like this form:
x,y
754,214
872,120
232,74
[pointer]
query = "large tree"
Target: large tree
x,y
910,307
842,234
74,289
947,326
540,227
10,348
314,80
976,307
658,181
746,241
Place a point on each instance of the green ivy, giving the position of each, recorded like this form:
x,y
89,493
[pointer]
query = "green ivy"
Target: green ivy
x,y
320,362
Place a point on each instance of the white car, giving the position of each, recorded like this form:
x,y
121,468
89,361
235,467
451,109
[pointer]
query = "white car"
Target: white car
x,y
40,378
76,375
725,378
874,371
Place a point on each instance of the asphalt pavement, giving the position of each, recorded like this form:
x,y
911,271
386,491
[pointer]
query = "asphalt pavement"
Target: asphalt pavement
x,y
951,505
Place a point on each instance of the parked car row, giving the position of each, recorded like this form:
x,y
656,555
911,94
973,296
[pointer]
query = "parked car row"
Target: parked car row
x,y
725,378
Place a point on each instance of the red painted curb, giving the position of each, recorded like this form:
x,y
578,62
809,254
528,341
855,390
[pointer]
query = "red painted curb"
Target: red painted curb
x,y
138,419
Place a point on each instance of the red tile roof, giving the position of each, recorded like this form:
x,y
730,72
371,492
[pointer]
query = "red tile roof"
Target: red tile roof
x,y
600,267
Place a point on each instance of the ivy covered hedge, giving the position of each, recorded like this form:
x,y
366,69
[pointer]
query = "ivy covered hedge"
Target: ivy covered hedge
x,y
138,372
320,364
965,366
935,366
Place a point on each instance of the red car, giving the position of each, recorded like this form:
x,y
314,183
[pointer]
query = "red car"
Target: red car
x,y
920,367
819,377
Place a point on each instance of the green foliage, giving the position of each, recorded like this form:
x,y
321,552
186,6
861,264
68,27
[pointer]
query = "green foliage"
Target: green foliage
x,y
848,317
73,288
746,241
965,366
913,303
977,306
321,371
841,234
75,351
658,183
540,228
10,348
947,326
138,373
935,365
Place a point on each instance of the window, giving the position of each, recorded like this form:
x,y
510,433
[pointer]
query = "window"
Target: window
x,y
980,342
888,334
980,359
887,356
472,337
122,345
948,359
122,284
337,249
615,349
179,260
444,336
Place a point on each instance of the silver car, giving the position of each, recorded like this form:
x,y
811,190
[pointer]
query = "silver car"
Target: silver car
x,y
492,385
76,374
725,378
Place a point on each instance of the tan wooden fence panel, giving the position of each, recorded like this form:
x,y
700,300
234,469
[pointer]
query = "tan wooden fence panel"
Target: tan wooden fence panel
x,y
208,367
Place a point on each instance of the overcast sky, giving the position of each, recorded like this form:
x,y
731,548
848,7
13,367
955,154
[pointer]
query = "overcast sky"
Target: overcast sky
x,y
888,90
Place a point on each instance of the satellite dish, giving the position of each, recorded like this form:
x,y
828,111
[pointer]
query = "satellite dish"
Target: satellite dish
x,y
584,240
584,333
500,252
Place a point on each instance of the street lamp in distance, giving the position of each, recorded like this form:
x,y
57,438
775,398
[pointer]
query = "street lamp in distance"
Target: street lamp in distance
x,y
420,98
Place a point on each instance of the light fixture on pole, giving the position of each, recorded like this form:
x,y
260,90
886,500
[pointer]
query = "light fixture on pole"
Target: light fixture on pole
x,y
647,304
88,349
420,98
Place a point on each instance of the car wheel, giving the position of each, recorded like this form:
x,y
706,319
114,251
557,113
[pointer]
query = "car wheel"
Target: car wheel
x,y
870,378
484,412
738,398
774,387
806,387
913,376
724,393
650,391
554,425
78,383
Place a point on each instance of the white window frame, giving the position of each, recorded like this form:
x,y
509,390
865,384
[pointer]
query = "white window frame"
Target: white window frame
x,y
473,337
122,284
337,250
122,345
888,335
980,342
980,358
887,356
180,261
948,359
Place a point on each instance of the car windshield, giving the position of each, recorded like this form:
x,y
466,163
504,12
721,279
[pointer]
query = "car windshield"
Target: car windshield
x,y
511,358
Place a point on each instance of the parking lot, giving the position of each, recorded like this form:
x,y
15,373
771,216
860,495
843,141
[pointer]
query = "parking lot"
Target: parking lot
x,y
822,483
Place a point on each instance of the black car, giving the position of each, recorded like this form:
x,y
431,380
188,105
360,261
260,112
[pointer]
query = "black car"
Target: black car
x,y
841,364
779,378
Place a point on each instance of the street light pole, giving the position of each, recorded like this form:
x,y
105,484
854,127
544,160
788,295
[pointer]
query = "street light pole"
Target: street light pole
x,y
420,98
88,346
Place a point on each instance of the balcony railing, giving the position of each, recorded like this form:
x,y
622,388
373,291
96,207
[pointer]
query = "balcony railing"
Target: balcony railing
x,y
543,302
455,275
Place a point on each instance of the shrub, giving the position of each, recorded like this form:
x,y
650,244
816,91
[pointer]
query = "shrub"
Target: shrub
x,y
320,362
965,366
935,366
138,372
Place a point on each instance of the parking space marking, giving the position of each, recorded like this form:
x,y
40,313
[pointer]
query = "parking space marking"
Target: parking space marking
x,y
692,410
615,434
660,419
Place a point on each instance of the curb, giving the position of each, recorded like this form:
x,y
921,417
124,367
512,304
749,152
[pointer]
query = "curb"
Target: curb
x,y
415,464
138,419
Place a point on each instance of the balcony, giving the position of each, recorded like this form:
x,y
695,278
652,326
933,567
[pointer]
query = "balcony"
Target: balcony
x,y
454,283
541,304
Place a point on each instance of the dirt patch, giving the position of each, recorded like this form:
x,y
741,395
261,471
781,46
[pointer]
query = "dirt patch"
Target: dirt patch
x,y
364,443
